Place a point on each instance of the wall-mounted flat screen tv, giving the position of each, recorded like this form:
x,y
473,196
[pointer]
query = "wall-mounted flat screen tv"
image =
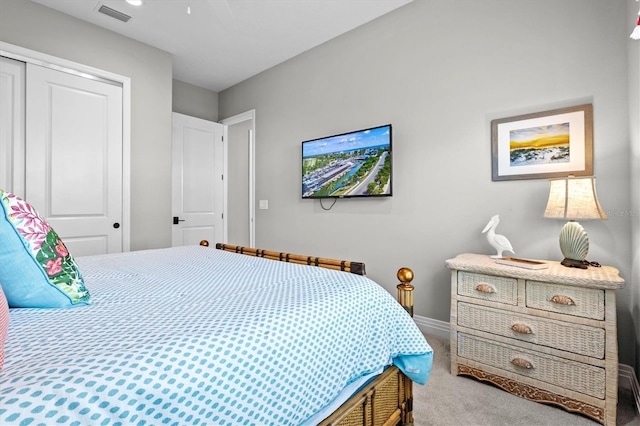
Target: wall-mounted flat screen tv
x,y
348,165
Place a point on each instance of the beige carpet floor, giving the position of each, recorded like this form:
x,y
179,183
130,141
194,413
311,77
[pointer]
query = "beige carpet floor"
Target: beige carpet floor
x,y
459,400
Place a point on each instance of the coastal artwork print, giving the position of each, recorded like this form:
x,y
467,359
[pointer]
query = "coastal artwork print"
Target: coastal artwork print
x,y
539,145
543,145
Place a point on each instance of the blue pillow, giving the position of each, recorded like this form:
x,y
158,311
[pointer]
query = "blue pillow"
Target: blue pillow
x,y
36,269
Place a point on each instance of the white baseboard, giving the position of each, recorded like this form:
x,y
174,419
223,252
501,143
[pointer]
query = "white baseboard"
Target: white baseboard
x,y
626,375
432,326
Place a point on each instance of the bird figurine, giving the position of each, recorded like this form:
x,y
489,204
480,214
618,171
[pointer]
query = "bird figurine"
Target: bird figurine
x,y
497,241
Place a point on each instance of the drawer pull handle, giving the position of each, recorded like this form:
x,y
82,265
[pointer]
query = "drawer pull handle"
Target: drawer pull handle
x,y
522,329
562,300
485,288
522,363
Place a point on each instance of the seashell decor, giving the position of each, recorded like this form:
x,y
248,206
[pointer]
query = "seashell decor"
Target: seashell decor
x,y
574,241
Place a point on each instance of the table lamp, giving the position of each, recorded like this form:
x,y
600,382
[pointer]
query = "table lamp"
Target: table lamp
x,y
574,198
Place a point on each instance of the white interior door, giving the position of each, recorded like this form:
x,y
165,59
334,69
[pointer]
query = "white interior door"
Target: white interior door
x,y
12,116
74,158
197,181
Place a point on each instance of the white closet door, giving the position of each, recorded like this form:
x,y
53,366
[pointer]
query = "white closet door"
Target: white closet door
x,y
12,87
197,188
74,158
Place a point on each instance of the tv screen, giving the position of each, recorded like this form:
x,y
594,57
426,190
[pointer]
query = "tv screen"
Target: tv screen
x,y
355,164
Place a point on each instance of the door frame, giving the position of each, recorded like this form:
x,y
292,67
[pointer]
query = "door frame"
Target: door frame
x,y
235,119
49,61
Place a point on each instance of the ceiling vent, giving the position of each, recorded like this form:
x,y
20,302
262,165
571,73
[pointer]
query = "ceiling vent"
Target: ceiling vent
x,y
114,13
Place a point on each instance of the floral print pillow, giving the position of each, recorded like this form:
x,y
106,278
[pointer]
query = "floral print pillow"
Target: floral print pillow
x,y
36,269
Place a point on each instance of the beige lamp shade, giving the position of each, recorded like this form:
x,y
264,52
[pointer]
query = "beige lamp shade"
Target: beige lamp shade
x,y
574,198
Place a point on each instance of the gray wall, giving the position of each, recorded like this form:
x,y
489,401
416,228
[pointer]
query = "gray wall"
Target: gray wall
x,y
440,71
194,101
32,26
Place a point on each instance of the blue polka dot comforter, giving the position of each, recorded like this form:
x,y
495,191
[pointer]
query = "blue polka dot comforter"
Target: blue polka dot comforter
x,y
194,335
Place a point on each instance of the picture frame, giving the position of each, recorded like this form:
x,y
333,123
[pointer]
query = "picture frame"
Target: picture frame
x,y
543,145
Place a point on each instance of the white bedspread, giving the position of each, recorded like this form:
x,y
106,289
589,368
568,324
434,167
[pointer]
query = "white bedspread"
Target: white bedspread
x,y
195,335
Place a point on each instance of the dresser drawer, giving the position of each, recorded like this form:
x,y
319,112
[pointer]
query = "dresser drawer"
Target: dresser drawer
x,y
575,338
565,299
572,375
488,287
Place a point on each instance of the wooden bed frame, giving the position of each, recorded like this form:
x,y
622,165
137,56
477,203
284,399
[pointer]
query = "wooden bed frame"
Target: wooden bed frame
x,y
386,400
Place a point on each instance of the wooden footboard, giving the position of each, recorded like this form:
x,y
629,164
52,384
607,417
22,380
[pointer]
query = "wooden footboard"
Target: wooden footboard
x,y
342,265
386,400
382,402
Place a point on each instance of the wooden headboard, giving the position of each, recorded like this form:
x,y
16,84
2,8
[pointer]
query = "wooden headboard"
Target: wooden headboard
x,y
341,265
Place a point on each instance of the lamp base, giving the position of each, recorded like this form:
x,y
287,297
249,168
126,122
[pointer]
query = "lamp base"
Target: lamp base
x,y
571,263
574,243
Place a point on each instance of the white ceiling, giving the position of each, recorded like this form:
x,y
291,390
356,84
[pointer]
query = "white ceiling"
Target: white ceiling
x,y
223,42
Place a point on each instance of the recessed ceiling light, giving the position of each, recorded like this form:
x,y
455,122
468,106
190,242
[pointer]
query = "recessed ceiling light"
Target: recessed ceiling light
x,y
134,2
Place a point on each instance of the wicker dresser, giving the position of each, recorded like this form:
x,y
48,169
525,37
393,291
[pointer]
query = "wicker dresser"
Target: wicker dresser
x,y
547,335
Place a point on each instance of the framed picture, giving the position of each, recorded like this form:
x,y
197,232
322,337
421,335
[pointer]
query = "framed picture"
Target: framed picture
x,y
544,144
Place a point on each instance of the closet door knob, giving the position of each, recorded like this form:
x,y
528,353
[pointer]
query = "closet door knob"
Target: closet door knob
x,y
116,225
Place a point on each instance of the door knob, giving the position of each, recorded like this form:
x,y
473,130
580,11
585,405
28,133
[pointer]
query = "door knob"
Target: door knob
x,y
116,225
176,219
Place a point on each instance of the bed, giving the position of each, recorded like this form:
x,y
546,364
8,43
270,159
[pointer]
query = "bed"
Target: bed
x,y
224,335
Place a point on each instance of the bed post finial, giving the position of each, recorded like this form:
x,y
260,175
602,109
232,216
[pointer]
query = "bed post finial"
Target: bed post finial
x,y
405,289
204,243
